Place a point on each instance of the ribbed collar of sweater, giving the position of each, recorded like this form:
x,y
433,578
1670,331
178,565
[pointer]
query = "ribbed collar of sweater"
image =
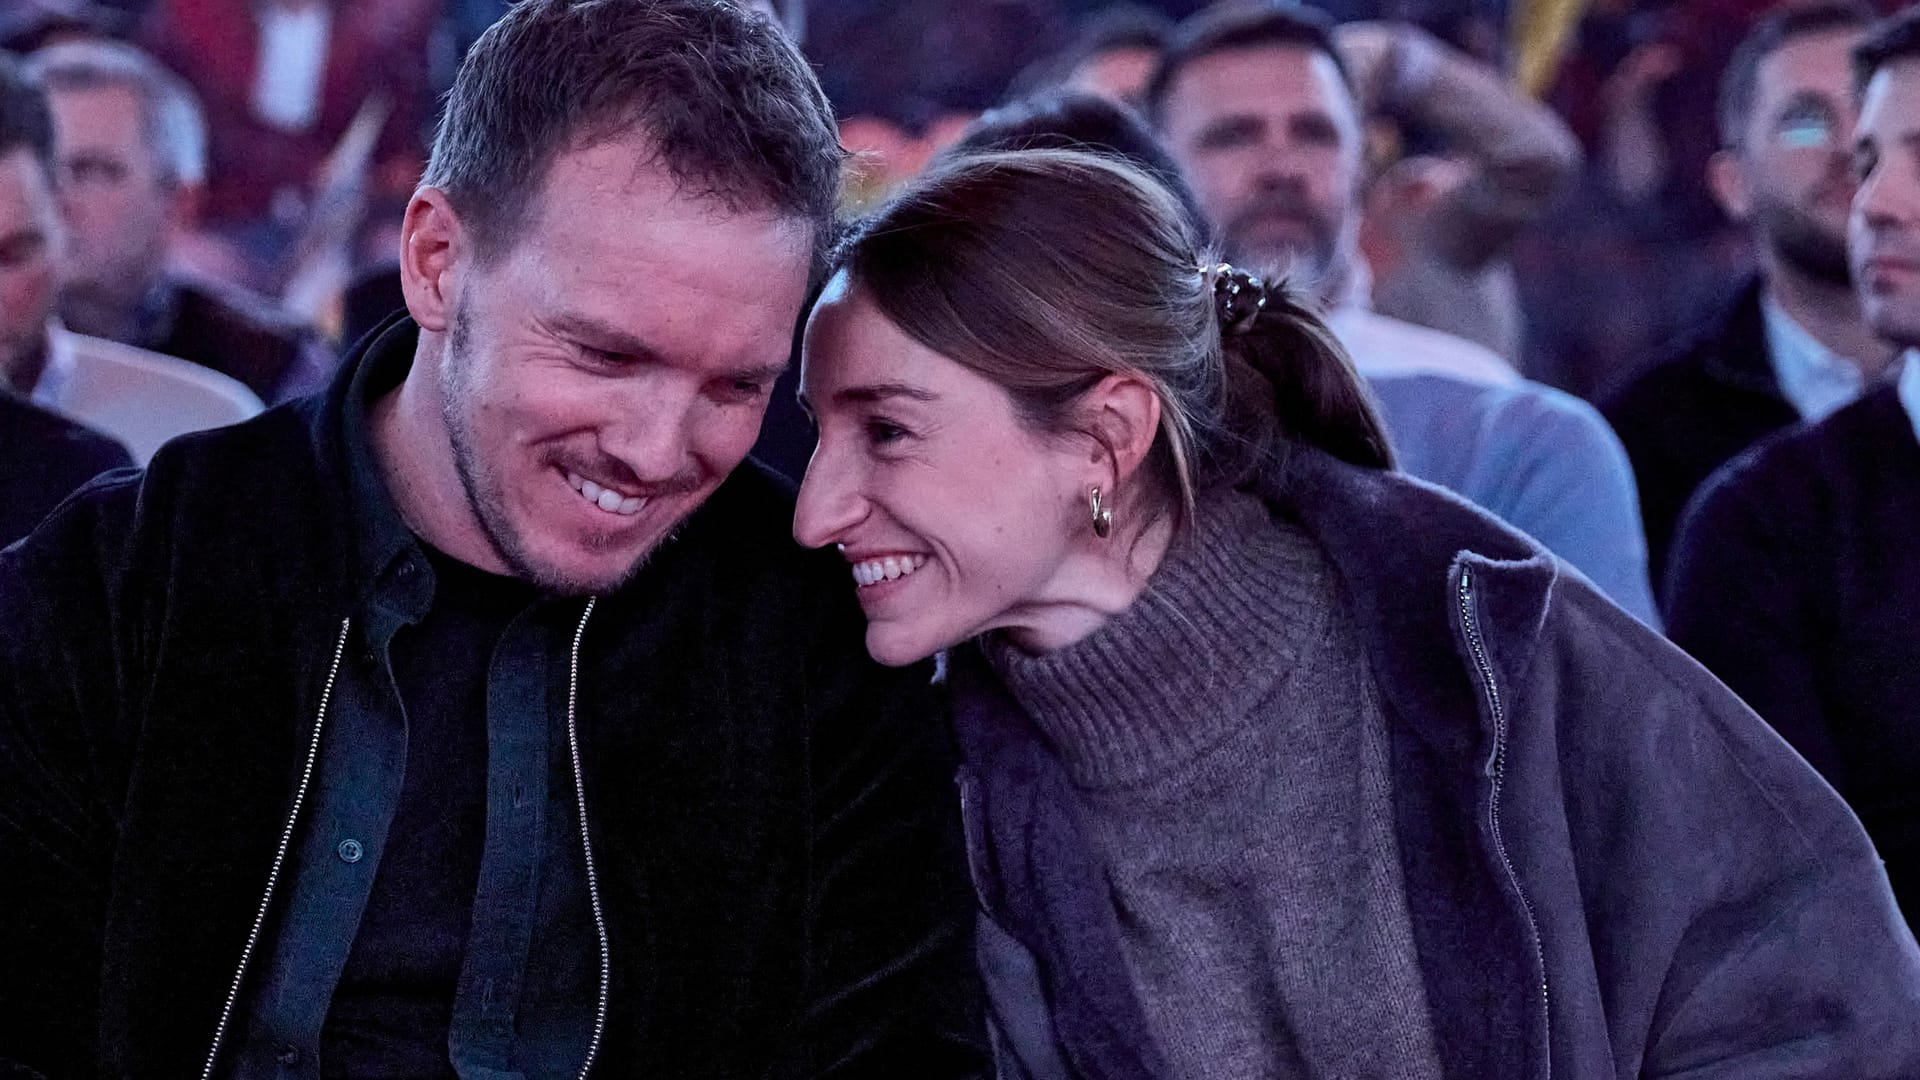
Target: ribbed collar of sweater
x,y
1237,598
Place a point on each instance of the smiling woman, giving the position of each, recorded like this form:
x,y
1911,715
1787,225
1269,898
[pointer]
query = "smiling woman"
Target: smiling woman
x,y
1030,357
1278,763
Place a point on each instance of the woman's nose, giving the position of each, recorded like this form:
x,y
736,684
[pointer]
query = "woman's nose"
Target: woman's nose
x,y
829,505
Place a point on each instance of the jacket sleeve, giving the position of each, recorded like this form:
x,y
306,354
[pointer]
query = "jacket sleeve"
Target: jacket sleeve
x,y
60,669
1737,602
1519,152
892,987
1736,918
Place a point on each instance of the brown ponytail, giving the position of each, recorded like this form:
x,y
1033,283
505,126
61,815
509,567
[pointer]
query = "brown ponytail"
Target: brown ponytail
x,y
1289,379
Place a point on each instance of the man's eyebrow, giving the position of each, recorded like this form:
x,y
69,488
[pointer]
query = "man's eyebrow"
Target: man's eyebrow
x,y
26,234
760,373
1239,123
595,334
1803,99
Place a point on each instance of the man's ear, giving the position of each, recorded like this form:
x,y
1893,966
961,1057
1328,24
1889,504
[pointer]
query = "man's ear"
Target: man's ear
x,y
183,208
1122,413
1727,179
432,240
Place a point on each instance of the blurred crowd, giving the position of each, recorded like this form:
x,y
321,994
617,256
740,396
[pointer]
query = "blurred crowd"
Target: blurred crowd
x,y
1585,254
286,136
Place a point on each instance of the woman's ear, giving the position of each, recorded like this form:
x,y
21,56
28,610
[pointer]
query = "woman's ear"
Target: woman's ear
x,y
1122,413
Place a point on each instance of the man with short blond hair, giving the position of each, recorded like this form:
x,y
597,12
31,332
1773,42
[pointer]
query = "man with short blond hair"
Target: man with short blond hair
x,y
480,717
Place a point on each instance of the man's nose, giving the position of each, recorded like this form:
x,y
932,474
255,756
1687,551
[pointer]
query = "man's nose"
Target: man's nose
x,y
653,436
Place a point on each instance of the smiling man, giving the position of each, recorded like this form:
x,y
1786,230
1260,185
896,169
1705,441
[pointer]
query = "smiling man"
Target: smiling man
x,y
479,717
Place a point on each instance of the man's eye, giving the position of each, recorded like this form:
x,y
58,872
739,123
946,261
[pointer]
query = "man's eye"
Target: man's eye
x,y
1224,138
93,172
1805,133
20,252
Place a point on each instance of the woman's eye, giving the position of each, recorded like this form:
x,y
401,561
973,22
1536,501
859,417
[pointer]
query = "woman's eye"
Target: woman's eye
x,y
880,431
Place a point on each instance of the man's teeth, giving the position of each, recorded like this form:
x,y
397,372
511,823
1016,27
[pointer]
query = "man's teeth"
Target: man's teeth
x,y
875,571
606,498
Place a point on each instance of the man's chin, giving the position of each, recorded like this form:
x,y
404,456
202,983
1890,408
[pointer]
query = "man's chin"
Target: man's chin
x,y
1898,325
574,565
1277,260
580,577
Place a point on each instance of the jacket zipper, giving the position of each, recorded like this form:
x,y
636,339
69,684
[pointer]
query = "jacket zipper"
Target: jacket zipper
x,y
299,801
1484,669
586,843
279,856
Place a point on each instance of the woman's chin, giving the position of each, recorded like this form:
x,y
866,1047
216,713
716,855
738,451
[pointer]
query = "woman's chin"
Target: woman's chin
x,y
894,650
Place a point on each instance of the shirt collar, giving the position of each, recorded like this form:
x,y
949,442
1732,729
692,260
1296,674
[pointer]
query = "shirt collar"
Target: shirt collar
x,y
56,378
154,319
1910,388
1814,379
390,559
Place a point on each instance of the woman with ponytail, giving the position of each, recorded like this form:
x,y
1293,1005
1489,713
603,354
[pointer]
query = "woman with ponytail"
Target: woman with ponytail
x,y
1277,763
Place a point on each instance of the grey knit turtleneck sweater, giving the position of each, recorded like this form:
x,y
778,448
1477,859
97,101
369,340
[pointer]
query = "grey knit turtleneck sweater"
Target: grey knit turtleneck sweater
x,y
1231,756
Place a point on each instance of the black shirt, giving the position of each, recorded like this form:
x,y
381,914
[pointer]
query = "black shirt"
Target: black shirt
x,y
394,1005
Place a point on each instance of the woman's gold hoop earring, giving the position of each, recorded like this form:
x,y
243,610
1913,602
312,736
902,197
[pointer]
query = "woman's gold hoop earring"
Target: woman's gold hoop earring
x,y
1102,515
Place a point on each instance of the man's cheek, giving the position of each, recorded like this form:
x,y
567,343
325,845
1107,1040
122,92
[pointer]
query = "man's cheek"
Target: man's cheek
x,y
23,293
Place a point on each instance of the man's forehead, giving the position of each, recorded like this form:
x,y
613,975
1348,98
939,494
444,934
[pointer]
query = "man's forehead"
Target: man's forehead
x,y
1818,61
625,176
1892,98
96,115
1256,77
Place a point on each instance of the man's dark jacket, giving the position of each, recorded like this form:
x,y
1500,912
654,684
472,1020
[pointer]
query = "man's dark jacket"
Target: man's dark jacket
x,y
773,814
1796,578
242,336
1688,415
1613,868
43,458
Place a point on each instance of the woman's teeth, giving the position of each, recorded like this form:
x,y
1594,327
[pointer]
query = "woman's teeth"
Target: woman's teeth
x,y
875,571
605,498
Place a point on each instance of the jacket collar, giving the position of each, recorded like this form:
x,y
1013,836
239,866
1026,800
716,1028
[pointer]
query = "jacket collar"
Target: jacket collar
x,y
1737,355
1383,531
383,557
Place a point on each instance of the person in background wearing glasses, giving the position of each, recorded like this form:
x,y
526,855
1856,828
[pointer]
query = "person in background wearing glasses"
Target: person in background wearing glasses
x,y
1793,345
